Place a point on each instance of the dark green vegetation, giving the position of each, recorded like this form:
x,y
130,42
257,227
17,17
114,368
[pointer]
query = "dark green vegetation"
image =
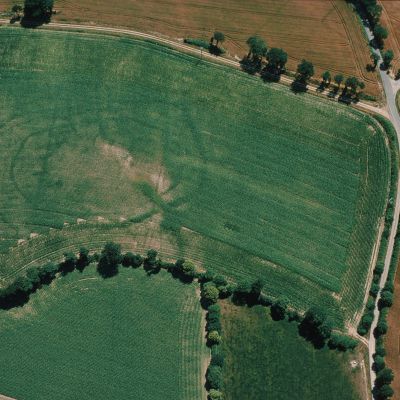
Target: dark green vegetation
x,y
225,168
264,358
86,337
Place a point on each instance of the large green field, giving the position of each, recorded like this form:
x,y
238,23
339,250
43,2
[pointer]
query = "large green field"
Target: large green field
x,y
128,337
268,359
246,179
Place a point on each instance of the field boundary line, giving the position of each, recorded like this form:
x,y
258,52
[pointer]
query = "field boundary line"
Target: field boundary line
x,y
188,49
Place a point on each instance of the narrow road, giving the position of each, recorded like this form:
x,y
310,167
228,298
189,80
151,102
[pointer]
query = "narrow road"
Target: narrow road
x,y
188,49
389,86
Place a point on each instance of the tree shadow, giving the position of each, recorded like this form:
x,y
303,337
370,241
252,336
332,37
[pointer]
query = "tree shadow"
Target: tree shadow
x,y
215,50
250,65
311,335
17,299
29,22
270,76
106,270
298,86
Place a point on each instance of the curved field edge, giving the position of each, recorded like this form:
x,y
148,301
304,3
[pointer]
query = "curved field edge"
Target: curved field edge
x,y
303,288
131,335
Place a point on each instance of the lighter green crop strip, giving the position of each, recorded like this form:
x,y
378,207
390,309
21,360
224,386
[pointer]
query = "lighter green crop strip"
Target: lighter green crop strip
x,y
258,182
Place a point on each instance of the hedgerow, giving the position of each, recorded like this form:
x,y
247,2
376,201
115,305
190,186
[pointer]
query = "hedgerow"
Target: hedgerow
x,y
368,316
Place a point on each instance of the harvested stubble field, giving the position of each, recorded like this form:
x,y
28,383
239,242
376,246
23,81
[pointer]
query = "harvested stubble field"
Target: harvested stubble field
x,y
391,20
131,336
322,31
246,179
266,358
392,339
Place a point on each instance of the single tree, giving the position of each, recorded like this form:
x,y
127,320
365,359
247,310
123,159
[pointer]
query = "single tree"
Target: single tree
x,y
189,269
305,70
380,34
386,299
384,377
151,262
214,337
17,10
210,293
278,309
381,327
338,80
383,392
219,37
257,48
326,78
375,59
379,363
277,59
69,263
110,258
387,58
374,11
38,9
83,259
214,377
350,86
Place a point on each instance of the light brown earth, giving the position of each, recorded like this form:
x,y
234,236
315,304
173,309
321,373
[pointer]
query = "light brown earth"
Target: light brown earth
x,y
325,32
392,340
391,20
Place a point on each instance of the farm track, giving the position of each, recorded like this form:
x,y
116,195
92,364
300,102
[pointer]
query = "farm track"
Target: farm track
x,y
188,49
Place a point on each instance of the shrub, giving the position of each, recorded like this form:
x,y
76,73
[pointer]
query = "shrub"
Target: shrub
x,y
278,309
127,259
215,308
198,42
48,272
214,337
83,260
342,342
150,262
214,377
381,328
370,304
374,290
215,395
386,299
210,294
33,275
69,263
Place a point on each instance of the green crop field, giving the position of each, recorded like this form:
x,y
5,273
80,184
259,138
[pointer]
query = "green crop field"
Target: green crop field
x,y
128,337
246,179
266,358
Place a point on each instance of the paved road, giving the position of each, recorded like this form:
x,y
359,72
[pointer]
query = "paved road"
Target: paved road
x,y
188,49
390,87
